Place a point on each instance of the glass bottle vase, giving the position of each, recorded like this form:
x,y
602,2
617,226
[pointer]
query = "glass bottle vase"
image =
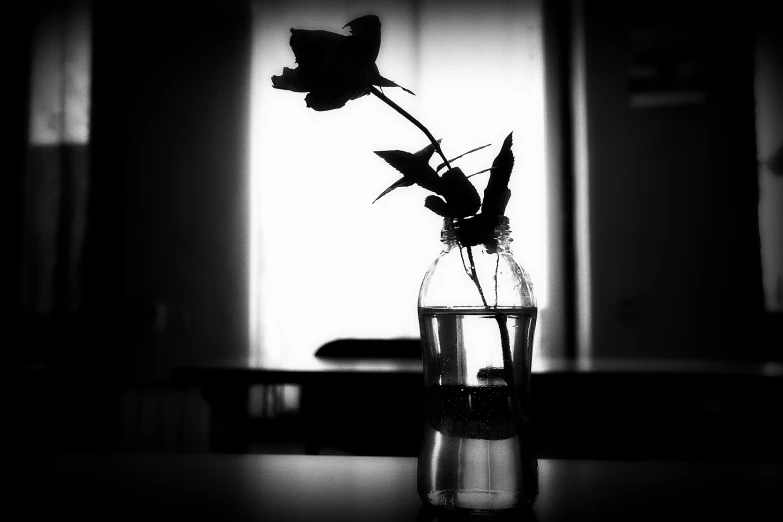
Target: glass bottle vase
x,y
477,316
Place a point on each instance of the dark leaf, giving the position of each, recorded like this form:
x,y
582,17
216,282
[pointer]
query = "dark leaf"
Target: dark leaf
x,y
440,167
437,205
496,194
412,168
460,194
427,152
479,172
415,168
402,182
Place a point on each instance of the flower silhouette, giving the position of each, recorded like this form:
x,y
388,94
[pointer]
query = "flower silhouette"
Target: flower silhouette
x,y
334,68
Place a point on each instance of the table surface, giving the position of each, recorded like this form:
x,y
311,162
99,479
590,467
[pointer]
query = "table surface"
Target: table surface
x,y
698,397
320,488
303,368
311,363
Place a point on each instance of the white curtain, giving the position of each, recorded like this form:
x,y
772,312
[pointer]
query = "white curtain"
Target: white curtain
x,y
325,262
56,181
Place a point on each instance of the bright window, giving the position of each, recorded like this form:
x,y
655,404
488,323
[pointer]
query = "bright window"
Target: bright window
x,y
325,262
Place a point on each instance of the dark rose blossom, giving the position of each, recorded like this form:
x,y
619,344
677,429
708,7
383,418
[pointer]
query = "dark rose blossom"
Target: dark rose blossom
x,y
334,68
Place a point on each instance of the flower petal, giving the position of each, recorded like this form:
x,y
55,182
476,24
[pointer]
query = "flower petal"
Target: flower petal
x,y
334,68
317,49
365,38
291,80
325,100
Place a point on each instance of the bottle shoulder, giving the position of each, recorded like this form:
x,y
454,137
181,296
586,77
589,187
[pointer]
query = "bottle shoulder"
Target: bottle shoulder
x,y
473,276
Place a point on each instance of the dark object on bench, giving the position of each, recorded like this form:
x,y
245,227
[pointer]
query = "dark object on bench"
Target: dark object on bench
x,y
402,348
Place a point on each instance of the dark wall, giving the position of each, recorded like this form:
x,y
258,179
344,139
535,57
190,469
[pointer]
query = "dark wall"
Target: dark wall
x,y
15,38
167,246
673,201
673,190
769,130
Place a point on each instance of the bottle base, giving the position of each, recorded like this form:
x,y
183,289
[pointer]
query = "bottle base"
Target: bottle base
x,y
475,501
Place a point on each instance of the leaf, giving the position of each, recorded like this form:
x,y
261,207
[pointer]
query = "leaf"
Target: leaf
x,y
461,196
437,205
497,194
461,155
415,168
402,182
427,152
479,172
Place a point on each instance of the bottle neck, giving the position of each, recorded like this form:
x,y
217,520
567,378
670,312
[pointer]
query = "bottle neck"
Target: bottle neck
x,y
494,232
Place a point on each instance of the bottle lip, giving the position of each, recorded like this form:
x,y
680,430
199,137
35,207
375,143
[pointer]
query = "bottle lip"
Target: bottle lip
x,y
478,229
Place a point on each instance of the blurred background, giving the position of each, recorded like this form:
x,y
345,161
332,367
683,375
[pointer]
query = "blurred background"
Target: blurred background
x,y
164,206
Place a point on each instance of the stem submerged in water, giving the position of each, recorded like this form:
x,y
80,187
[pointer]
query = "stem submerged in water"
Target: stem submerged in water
x,y
474,277
505,342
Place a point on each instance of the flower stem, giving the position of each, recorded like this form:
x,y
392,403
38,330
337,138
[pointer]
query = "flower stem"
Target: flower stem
x,y
411,119
508,365
474,277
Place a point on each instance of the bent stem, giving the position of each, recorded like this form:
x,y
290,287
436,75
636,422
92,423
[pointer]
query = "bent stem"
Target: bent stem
x,y
411,119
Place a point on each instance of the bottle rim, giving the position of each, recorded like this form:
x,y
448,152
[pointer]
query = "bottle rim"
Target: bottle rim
x,y
478,229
